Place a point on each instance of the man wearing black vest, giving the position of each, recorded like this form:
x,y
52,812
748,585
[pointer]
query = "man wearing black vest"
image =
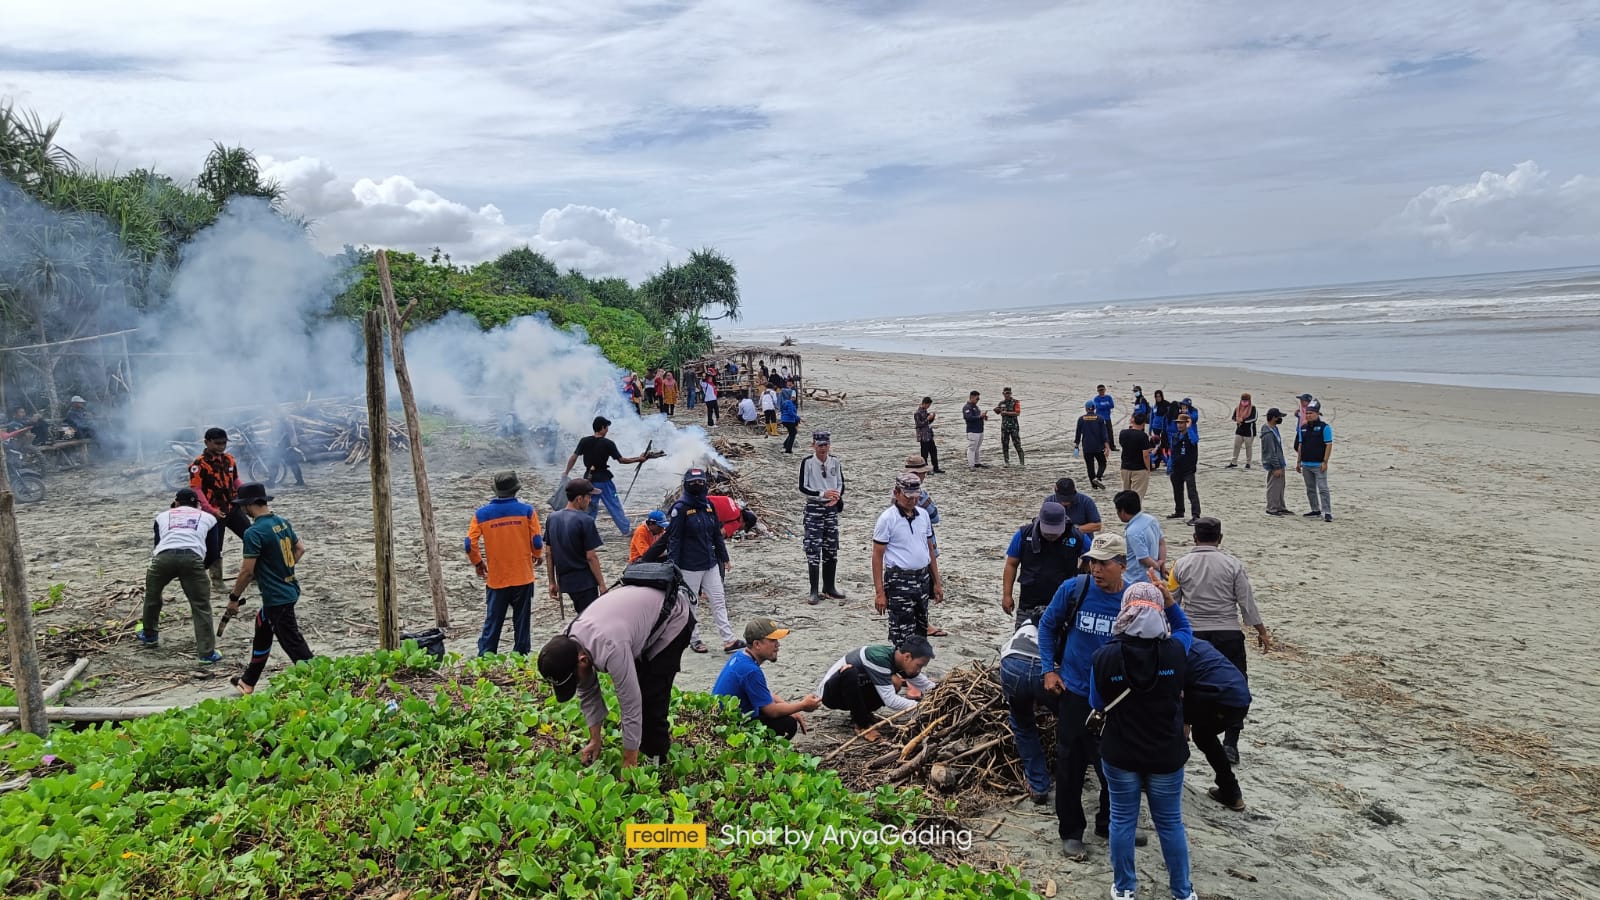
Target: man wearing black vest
x,y
1314,443
1044,553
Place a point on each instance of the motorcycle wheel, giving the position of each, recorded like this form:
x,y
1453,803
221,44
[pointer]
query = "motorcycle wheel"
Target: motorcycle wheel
x,y
28,488
175,474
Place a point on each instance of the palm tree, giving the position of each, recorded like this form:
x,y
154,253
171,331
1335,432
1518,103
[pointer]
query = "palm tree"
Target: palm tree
x,y
707,279
233,172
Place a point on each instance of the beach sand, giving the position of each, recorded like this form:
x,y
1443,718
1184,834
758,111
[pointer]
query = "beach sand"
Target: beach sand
x,y
1429,727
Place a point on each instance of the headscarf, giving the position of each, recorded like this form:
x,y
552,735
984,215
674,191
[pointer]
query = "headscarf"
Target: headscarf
x,y
1143,613
1244,410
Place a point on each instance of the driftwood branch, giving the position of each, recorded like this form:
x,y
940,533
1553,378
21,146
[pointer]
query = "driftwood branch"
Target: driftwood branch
x,y
91,713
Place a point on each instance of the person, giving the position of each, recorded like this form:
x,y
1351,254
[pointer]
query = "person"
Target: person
x,y
1091,437
1042,554
1161,413
748,414
272,550
214,476
1182,465
1010,409
789,416
637,635
1076,624
669,393
696,546
732,515
1022,682
79,419
769,410
918,466
1216,700
1136,447
1244,431
289,453
822,484
1187,406
1103,405
179,553
1215,593
1314,451
1136,687
21,421
1140,404
597,452
1273,460
924,418
504,545
905,572
647,385
708,395
742,677
1300,417
1082,511
630,390
974,418
653,526
573,566
870,678
1147,547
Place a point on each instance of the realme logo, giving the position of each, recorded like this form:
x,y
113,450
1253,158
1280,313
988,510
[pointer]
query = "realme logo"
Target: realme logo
x,y
665,837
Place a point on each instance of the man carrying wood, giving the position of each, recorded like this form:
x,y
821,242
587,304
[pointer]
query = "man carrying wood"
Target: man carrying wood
x,y
214,477
180,550
869,678
597,452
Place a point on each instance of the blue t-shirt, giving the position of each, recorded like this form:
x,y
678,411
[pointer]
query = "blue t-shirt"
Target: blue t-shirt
x,y
742,677
1103,405
1143,534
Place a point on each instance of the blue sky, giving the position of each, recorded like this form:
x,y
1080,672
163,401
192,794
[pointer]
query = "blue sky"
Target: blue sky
x,y
874,156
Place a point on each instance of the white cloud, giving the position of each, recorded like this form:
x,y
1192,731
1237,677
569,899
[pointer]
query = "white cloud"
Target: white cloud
x,y
1155,252
1523,209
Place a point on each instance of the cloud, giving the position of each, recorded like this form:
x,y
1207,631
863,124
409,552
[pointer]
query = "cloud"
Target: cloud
x,y
1524,209
1155,252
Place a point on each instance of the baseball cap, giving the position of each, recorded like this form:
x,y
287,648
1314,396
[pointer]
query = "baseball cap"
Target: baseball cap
x,y
578,487
186,497
1315,405
658,517
821,437
1052,519
1207,527
1107,546
764,630
1088,404
908,482
695,474
1274,413
1305,397
558,665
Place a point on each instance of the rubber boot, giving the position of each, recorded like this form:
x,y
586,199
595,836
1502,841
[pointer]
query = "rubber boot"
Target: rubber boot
x,y
829,568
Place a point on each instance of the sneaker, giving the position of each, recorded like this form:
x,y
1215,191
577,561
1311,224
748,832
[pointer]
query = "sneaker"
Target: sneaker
x,y
1312,514
148,640
1073,849
214,657
1233,466
1123,895
1176,515
1328,517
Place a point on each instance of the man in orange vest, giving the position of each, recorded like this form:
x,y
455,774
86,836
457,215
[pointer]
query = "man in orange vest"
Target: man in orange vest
x,y
504,544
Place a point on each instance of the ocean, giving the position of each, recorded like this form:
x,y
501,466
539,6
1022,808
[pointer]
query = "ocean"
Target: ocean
x,y
1528,330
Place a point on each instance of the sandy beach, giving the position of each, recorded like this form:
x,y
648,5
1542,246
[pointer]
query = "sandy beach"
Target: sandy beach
x,y
1428,727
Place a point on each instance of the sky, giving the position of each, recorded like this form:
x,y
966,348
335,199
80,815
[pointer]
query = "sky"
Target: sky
x,y
872,157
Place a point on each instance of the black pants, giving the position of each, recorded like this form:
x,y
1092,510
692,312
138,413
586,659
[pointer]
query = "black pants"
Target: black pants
x,y
582,599
1231,645
1207,723
930,453
711,412
235,521
787,726
656,675
279,622
289,463
1180,482
853,690
1077,750
788,442
1095,463
1111,434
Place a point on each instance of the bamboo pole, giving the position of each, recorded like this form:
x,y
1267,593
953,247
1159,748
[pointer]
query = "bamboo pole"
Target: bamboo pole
x,y
91,713
382,505
54,690
419,463
19,614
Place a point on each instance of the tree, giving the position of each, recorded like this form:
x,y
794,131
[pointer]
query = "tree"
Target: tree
x,y
28,150
706,281
524,270
233,172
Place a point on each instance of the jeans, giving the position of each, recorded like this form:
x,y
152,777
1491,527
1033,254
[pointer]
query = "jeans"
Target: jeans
x,y
608,496
519,600
1317,489
1076,751
1165,791
1023,681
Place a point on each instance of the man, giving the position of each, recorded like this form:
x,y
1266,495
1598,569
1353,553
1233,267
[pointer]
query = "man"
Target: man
x,y
905,572
789,417
289,453
1076,624
732,515
1314,452
1092,436
214,477
742,677
271,552
504,544
1103,405
747,410
21,421
924,417
1023,684
573,566
1300,417
1182,465
1042,554
822,484
1147,547
769,410
1136,447
1216,699
1140,404
637,635
1010,431
180,550
653,526
79,419
918,466
597,452
1081,509
1272,459
974,418
869,678
1215,593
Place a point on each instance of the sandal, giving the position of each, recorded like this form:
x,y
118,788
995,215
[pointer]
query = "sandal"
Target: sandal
x,y
238,683
699,647
736,645
937,632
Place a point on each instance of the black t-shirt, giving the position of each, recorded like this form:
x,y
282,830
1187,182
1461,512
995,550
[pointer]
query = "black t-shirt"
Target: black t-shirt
x,y
571,535
596,452
1135,441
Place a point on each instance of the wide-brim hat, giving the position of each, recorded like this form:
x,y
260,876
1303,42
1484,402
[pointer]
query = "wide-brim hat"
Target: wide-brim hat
x,y
253,492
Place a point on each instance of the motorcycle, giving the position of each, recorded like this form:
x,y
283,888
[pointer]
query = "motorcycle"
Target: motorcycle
x,y
26,483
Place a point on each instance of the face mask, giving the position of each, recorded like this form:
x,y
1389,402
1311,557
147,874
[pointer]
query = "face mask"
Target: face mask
x,y
695,488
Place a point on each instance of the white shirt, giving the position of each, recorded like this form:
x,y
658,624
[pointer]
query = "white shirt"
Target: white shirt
x,y
747,409
183,528
769,400
905,540
709,389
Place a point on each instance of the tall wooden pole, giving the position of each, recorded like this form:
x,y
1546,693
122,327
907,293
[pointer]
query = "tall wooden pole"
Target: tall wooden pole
x,y
419,464
19,613
382,506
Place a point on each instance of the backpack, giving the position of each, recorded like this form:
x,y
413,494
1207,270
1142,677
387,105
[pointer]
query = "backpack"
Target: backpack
x,y
660,576
1065,629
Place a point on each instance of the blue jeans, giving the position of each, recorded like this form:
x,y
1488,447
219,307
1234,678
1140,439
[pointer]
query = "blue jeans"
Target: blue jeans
x,y
608,496
1166,812
519,599
1023,683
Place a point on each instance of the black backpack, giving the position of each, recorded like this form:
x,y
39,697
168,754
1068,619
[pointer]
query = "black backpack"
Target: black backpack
x,y
661,576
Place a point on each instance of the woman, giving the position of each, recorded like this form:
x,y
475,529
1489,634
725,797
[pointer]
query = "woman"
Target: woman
x,y
695,545
1160,415
1244,430
1137,691
669,393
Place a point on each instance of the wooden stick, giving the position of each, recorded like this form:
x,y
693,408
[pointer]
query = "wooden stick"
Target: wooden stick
x,y
978,749
382,505
19,614
419,463
912,744
91,713
840,749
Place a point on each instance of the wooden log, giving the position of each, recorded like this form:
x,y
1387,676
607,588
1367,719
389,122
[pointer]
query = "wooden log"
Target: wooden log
x,y
92,713
19,614
382,505
54,690
419,463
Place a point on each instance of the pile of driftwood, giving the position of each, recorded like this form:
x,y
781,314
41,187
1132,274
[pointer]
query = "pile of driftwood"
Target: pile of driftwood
x,y
325,430
957,740
730,450
824,395
728,483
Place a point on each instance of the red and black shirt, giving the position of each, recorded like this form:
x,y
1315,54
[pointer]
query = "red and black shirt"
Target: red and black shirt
x,y
215,478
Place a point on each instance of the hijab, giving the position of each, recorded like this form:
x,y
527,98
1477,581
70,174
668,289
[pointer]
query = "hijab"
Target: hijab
x,y
1143,613
1246,408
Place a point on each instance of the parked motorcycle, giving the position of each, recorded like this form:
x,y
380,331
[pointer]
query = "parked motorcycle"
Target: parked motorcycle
x,y
27,484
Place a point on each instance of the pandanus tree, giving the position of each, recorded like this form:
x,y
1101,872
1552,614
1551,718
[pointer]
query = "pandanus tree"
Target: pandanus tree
x,y
707,281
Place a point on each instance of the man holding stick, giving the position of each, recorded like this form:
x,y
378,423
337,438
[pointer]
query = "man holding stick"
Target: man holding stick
x,y
597,452
271,552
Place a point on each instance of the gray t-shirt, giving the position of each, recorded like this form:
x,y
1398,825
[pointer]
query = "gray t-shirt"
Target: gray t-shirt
x,y
571,535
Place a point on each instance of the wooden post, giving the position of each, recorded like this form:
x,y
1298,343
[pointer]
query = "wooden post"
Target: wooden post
x,y
382,513
19,613
127,377
419,464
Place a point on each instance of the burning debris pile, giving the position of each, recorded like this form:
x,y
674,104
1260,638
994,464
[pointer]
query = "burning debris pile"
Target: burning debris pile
x,y
728,483
323,431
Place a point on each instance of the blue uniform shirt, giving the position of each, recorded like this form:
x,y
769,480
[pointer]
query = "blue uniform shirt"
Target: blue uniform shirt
x,y
742,677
